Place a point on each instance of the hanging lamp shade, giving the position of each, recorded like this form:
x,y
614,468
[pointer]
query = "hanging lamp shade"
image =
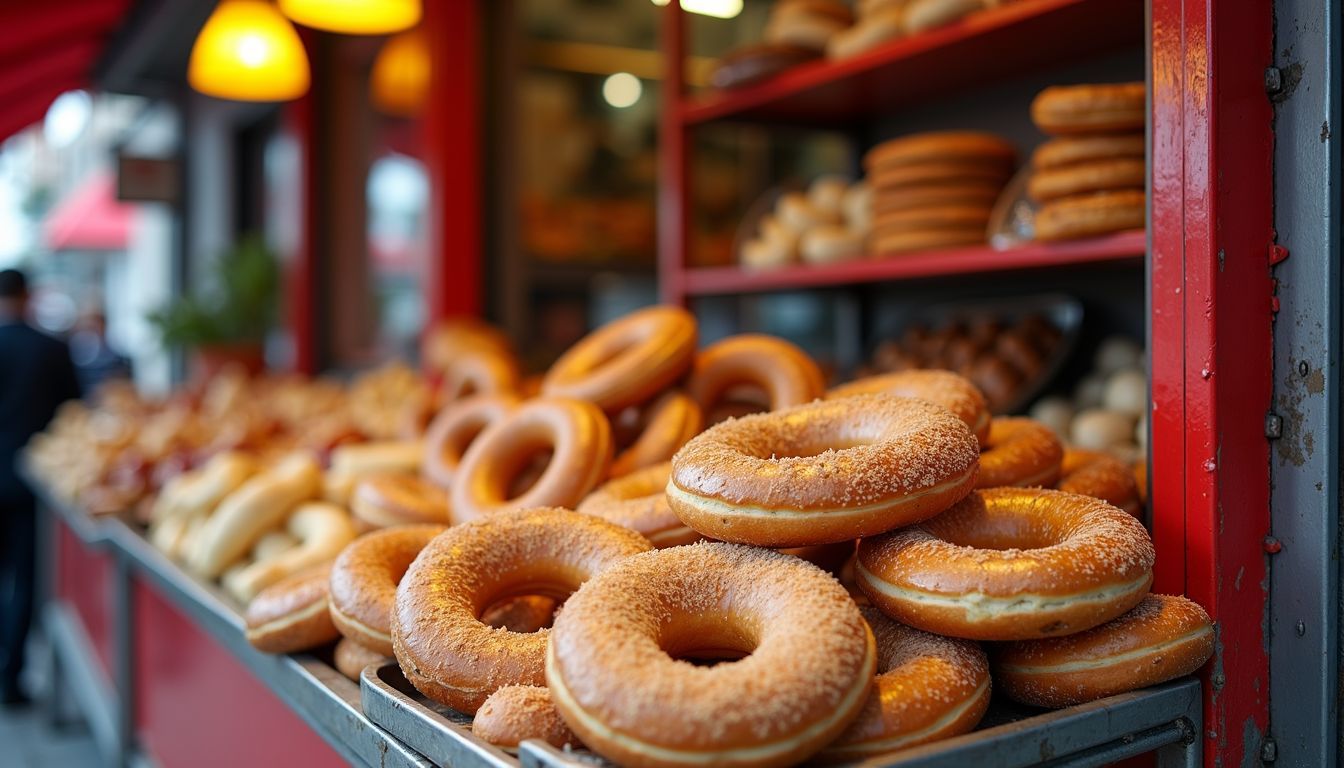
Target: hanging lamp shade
x,y
354,17
400,80
248,51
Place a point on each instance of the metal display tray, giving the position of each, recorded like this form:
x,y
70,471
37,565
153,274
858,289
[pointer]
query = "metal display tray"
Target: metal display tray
x,y
1165,719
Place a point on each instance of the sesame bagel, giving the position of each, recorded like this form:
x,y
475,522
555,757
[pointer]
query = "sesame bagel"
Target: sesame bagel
x,y
638,501
364,582
825,472
292,614
953,392
1021,452
804,659
1162,638
1010,564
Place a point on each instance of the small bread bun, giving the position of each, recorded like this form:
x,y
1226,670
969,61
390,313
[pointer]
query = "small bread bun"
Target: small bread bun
x,y
1098,429
759,253
1116,353
797,212
857,207
928,14
828,192
830,244
1054,412
1127,392
1090,391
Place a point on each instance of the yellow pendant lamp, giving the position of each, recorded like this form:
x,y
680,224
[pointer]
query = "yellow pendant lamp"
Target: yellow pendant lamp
x,y
354,17
248,51
400,81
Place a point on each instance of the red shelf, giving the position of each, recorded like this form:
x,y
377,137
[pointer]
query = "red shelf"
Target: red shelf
x,y
984,47
1120,247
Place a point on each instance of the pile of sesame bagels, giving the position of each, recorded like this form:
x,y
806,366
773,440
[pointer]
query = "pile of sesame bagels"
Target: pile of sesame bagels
x,y
674,556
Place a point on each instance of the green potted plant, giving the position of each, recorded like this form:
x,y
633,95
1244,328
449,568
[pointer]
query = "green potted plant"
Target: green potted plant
x,y
227,323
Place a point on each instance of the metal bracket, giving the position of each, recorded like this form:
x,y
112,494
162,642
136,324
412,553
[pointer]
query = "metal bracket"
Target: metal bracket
x,y
1273,426
1273,80
1269,750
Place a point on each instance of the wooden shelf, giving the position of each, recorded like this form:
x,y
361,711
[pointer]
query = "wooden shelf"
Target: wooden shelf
x,y
1120,247
985,47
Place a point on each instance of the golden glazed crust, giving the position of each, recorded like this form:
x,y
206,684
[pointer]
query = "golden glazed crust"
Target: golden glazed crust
x,y
1070,218
824,472
454,428
577,433
1019,452
627,361
638,501
1075,109
616,672
950,146
443,648
291,615
1010,564
1099,475
481,371
928,687
516,713
1067,150
1162,638
364,582
953,392
786,373
1091,176
669,422
396,498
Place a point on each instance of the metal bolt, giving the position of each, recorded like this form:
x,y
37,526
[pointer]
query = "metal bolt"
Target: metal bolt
x,y
1273,80
1210,465
1302,368
1272,545
1301,628
1273,426
1219,680
1205,373
1269,751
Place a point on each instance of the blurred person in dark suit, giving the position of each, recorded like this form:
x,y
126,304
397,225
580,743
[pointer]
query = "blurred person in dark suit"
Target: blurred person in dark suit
x,y
36,376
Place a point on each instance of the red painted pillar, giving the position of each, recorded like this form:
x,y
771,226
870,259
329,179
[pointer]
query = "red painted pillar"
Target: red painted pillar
x,y
1211,227
453,150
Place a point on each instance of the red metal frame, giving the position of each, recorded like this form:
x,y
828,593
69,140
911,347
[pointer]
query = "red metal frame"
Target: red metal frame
x,y
83,580
1211,341
452,156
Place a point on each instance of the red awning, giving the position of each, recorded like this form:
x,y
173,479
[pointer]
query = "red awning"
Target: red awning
x,y
89,219
46,49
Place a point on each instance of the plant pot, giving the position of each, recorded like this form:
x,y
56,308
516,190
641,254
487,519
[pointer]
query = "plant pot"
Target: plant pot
x,y
208,361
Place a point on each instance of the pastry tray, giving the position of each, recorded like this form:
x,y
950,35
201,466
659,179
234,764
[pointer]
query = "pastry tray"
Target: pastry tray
x,y
1166,719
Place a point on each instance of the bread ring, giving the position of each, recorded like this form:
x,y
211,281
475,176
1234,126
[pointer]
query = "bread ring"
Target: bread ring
x,y
1162,638
805,659
944,388
527,613
669,422
932,217
928,688
442,646
786,373
515,713
626,362
452,430
258,505
1019,452
1092,176
291,615
364,582
322,531
939,172
638,501
451,339
974,193
578,435
351,658
825,472
1067,150
1107,108
385,500
936,146
480,372
1070,218
1010,564
892,243
1099,475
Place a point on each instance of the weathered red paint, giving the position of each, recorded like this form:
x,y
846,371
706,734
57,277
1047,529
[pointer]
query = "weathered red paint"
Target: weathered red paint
x,y
1211,344
452,152
83,579
197,705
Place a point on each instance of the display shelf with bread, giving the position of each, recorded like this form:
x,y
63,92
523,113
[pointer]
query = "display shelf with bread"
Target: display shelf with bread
x,y
994,43
1122,247
708,517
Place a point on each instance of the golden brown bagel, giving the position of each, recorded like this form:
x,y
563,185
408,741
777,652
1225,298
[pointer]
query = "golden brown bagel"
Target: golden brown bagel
x,y
1020,452
627,361
364,582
